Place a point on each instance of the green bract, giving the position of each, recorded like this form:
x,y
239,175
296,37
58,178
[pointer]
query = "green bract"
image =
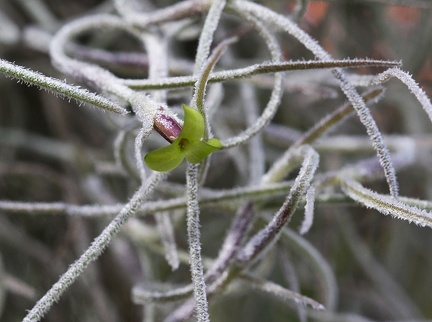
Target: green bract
x,y
187,145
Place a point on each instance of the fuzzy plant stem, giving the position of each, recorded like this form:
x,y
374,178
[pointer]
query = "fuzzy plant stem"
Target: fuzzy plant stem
x,y
270,233
207,35
207,198
201,84
203,51
158,61
386,204
253,70
93,74
193,228
146,109
93,252
178,11
59,87
217,273
203,67
326,276
276,94
359,105
329,122
414,88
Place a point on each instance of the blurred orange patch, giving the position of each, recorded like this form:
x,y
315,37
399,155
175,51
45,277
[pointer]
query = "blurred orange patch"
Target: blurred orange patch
x,y
405,17
316,12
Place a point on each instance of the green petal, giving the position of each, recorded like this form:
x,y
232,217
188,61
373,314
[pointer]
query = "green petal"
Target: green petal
x,y
197,151
166,158
193,127
215,142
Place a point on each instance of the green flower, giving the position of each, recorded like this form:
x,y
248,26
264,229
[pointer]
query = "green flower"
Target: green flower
x,y
187,145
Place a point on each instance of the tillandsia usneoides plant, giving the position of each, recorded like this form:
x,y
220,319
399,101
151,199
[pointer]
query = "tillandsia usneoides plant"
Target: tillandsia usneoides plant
x,y
227,168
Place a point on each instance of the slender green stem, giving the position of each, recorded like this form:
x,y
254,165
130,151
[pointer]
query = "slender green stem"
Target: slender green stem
x,y
59,87
386,204
359,105
336,117
193,227
257,69
93,252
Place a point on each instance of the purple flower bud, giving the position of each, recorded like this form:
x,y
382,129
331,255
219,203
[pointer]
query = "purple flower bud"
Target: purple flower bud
x,y
166,126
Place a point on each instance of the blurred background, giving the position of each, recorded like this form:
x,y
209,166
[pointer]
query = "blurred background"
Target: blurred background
x,y
53,150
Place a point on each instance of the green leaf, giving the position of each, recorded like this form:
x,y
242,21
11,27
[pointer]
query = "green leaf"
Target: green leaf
x,y
196,152
193,127
166,158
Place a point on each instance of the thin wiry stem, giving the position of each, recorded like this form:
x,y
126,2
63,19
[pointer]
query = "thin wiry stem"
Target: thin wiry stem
x,y
218,274
203,67
155,29
157,49
370,169
386,204
185,311
141,295
201,84
405,78
184,9
158,60
147,110
228,250
291,278
207,198
139,159
116,60
269,234
325,273
193,227
256,146
121,154
280,292
58,87
309,211
93,252
283,165
166,232
362,111
276,94
207,34
333,119
355,144
94,74
257,69
233,241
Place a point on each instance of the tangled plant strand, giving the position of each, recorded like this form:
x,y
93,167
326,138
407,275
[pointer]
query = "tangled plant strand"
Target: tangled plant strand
x,y
248,179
